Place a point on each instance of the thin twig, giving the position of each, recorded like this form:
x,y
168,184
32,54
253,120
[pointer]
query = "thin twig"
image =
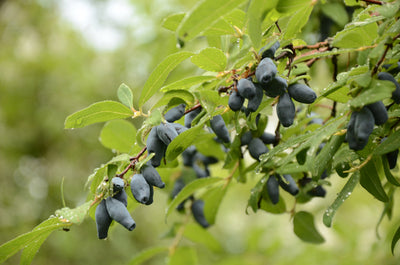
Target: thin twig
x,y
376,2
198,105
132,164
312,46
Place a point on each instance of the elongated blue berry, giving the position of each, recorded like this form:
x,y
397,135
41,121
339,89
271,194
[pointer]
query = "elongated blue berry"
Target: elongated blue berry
x,y
150,174
156,146
302,93
265,71
198,213
140,188
286,110
219,128
103,220
119,213
175,113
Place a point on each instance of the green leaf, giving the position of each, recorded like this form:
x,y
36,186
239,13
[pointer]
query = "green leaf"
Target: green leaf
x,y
297,21
336,12
182,141
219,28
396,238
255,194
388,173
370,179
254,20
147,254
183,95
210,100
118,135
290,6
97,112
125,95
29,252
183,256
323,159
268,206
210,59
160,74
203,16
341,197
11,247
378,90
390,144
212,200
304,228
172,22
188,190
197,234
187,83
357,34
76,215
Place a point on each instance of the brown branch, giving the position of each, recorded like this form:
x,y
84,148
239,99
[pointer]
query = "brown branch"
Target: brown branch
x,y
198,105
334,77
376,2
312,46
375,70
132,164
277,25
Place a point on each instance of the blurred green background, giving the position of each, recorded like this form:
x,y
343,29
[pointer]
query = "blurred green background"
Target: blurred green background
x,y
57,57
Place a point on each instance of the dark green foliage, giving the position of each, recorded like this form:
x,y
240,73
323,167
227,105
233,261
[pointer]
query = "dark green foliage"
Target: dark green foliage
x,y
272,186
379,111
265,71
257,148
341,168
156,146
389,77
286,110
189,117
103,220
246,88
359,129
119,213
198,213
288,184
175,113
166,133
151,176
235,101
140,188
270,52
302,93
219,128
276,87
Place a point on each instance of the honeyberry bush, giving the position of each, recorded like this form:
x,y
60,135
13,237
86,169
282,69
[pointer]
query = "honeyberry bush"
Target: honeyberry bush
x,y
253,72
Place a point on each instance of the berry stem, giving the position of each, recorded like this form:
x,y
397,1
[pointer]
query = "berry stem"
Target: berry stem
x,y
133,162
198,105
